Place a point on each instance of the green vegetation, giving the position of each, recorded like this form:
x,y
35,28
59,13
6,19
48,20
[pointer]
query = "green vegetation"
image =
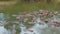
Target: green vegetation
x,y
28,7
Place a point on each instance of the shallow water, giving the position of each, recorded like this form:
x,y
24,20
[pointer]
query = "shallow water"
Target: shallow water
x,y
43,28
3,30
37,28
2,18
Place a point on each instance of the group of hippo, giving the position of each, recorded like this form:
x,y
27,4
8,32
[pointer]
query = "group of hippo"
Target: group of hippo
x,y
42,24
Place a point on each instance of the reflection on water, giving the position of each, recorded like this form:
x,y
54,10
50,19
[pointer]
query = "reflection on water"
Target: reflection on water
x,y
3,30
3,21
2,18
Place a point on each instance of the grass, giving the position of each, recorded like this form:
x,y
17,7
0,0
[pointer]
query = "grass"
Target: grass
x,y
29,7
